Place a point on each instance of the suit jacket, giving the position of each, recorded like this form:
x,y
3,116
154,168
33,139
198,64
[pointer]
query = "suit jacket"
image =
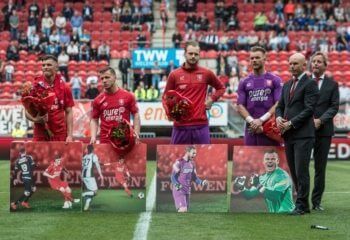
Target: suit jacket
x,y
299,109
327,106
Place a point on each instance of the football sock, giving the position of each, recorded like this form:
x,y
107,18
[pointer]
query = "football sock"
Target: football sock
x,y
127,191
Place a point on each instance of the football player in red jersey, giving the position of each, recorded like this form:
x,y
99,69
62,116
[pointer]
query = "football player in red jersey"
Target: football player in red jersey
x,y
60,116
122,174
192,81
53,173
112,105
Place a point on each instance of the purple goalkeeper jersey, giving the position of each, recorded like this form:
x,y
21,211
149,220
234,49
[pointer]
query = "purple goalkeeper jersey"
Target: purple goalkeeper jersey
x,y
259,93
185,171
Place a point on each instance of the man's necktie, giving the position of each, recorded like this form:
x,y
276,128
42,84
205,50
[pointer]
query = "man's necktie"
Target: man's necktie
x,y
292,90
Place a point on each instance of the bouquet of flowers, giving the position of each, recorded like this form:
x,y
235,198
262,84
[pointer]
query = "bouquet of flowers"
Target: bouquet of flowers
x,y
177,107
38,101
122,137
271,130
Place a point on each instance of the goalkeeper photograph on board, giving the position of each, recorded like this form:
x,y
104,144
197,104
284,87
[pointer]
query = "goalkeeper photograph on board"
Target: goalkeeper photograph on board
x,y
261,181
113,182
191,178
50,173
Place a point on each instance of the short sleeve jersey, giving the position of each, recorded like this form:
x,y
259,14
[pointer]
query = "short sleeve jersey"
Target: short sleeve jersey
x,y
110,108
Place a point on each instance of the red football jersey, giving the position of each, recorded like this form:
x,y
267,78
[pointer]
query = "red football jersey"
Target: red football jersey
x,y
54,170
56,116
111,108
193,84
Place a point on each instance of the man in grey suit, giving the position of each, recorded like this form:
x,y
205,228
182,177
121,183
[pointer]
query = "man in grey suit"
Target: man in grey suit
x,y
294,118
326,108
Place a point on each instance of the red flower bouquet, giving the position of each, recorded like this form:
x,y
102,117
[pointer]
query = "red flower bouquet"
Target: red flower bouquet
x,y
177,107
38,101
122,137
271,130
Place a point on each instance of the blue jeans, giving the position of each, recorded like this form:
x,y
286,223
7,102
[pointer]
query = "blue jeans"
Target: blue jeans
x,y
76,93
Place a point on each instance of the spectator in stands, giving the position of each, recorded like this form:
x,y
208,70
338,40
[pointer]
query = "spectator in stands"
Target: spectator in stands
x,y
77,22
191,20
103,52
2,21
84,52
152,94
347,12
46,24
92,91
33,41
141,40
219,14
9,70
322,24
324,43
60,22
222,68
273,41
299,10
283,41
232,24
75,38
63,60
272,21
171,66
64,38
339,13
140,93
67,11
212,40
341,43
163,15
263,41
309,9
85,37
136,21
34,8
319,12
17,131
52,49
289,9
290,24
252,39
311,23
33,22
177,39
260,22
331,24
92,79
76,84
141,78
190,36
12,52
126,19
54,37
23,42
223,43
88,12
162,85
49,9
124,67
14,23
116,12
300,23
156,74
73,51
203,23
7,11
242,41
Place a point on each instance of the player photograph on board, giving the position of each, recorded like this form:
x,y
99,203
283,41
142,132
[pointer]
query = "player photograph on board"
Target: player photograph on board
x,y
190,179
261,181
112,182
54,169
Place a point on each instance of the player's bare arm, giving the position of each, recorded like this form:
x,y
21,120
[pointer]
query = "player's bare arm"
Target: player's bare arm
x,y
37,118
208,103
137,124
93,130
69,121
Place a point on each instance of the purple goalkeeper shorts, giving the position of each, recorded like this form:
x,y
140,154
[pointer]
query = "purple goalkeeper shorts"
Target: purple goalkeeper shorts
x,y
258,140
190,135
181,199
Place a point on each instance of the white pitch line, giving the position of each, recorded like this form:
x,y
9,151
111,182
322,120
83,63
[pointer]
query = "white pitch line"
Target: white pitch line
x,y
337,192
142,226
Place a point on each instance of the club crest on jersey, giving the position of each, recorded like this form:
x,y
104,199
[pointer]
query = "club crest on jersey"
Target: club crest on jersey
x,y
199,77
269,83
249,84
121,101
104,104
182,78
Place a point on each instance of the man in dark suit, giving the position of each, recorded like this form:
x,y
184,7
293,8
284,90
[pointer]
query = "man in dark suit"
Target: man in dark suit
x,y
294,117
326,108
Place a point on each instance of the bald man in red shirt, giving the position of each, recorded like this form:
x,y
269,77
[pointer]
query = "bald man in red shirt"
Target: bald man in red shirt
x,y
192,81
60,117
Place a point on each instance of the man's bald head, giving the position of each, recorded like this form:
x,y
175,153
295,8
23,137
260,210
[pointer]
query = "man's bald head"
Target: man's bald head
x,y
297,64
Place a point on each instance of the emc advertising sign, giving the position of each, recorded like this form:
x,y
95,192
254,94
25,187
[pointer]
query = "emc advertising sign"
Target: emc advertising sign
x,y
145,58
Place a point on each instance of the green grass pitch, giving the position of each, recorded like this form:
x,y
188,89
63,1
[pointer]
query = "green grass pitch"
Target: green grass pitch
x,y
105,225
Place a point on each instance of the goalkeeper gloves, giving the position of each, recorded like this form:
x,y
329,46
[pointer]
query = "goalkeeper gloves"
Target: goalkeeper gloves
x,y
178,186
254,180
204,182
238,184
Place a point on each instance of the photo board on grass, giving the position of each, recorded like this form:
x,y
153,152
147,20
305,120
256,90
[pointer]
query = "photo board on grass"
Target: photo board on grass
x,y
192,178
260,180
